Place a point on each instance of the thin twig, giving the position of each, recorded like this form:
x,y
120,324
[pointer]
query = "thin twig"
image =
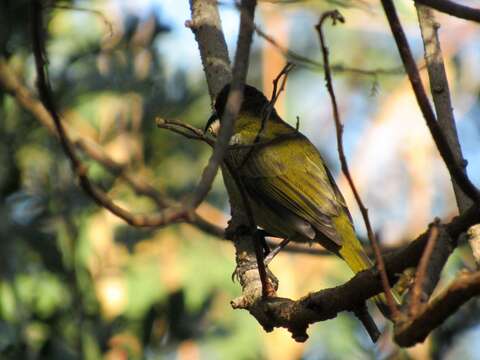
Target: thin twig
x,y
422,269
456,171
452,8
300,60
234,101
166,216
336,16
185,130
101,15
162,201
12,85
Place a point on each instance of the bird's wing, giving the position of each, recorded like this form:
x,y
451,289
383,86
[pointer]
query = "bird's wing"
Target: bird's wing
x,y
290,176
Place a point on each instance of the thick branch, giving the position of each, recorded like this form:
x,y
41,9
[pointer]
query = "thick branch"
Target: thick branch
x,y
441,93
455,170
452,8
297,315
207,27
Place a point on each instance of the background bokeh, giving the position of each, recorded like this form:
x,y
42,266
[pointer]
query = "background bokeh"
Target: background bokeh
x,y
77,282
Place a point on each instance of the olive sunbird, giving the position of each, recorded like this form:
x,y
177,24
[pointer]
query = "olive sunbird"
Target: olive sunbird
x,y
290,190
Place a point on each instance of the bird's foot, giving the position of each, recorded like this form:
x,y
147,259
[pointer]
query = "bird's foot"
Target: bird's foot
x,y
275,251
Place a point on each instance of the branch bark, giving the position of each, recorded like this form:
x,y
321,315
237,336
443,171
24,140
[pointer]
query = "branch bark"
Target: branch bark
x,y
336,16
441,94
452,8
234,101
207,28
297,315
465,287
443,147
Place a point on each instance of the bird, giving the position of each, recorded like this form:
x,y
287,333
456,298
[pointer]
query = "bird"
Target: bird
x,y
291,191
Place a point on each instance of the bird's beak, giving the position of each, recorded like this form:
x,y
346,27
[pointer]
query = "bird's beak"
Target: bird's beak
x,y
211,120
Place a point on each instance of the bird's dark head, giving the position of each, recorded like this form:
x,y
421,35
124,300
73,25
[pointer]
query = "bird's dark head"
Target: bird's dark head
x,y
254,104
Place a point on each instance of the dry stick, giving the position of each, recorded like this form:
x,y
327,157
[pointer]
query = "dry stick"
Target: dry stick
x,y
422,269
448,157
185,130
234,102
440,92
452,8
166,216
335,15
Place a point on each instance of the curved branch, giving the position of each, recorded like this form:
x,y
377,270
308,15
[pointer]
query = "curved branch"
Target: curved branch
x,y
440,93
443,147
166,216
336,16
452,8
297,315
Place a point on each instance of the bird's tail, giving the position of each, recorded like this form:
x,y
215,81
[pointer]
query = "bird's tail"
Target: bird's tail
x,y
354,255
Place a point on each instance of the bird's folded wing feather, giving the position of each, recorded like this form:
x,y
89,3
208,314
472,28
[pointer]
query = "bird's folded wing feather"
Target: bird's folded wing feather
x,y
291,176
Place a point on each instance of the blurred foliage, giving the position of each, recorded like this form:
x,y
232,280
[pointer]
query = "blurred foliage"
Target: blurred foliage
x,y
76,282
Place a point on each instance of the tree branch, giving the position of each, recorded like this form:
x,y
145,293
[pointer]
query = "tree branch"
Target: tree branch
x,y
336,16
443,147
325,304
234,101
299,59
452,8
207,28
441,94
465,287
418,286
166,216
25,99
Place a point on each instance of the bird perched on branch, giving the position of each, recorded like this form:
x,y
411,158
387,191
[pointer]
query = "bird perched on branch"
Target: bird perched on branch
x,y
290,190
